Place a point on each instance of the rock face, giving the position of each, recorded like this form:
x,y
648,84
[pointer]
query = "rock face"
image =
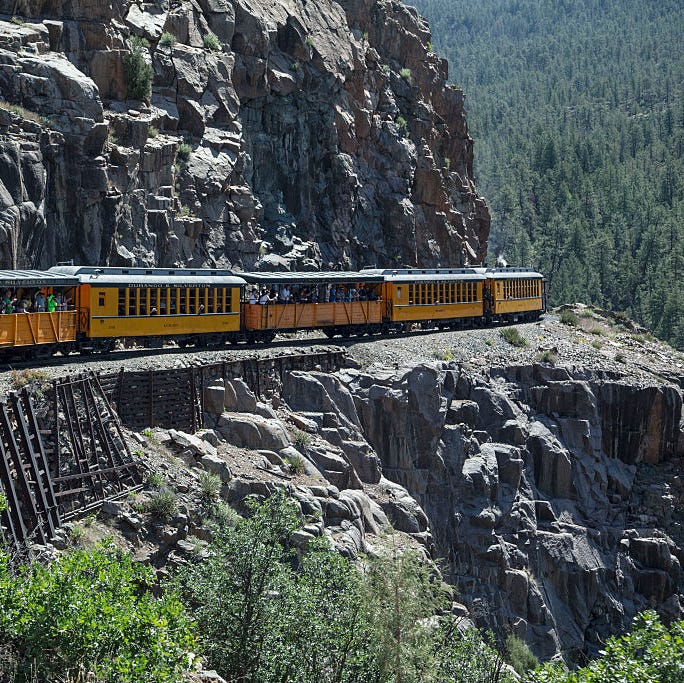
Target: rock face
x,y
551,494
276,135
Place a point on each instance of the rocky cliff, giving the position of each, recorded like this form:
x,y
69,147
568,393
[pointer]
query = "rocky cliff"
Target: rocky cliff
x,y
275,135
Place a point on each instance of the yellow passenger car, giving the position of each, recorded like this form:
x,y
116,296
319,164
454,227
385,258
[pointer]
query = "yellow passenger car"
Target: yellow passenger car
x,y
335,302
432,297
190,306
514,294
26,323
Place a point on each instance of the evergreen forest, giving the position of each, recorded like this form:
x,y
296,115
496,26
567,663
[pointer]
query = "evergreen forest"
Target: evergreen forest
x,y
577,112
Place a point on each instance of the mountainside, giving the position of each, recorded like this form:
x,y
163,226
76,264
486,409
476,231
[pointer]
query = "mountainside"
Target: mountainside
x,y
231,133
576,110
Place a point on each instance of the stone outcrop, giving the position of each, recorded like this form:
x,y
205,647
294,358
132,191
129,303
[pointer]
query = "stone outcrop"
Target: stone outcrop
x,y
284,135
552,495
533,486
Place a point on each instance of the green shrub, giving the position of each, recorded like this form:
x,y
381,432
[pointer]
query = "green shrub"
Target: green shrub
x,y
548,356
569,318
447,163
302,439
209,484
296,463
489,342
152,132
620,357
513,337
519,655
211,42
596,344
91,611
405,74
22,378
651,653
167,39
163,504
184,150
401,122
137,74
222,515
156,480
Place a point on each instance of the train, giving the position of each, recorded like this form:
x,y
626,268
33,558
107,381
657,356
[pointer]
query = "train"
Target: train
x,y
89,309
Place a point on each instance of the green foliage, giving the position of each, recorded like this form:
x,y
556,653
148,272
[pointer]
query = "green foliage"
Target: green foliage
x,y
401,122
548,356
22,378
156,480
209,485
137,73
167,39
152,132
90,611
301,439
18,21
405,74
569,318
211,42
519,655
651,653
184,150
163,504
597,344
513,337
578,120
620,357
296,463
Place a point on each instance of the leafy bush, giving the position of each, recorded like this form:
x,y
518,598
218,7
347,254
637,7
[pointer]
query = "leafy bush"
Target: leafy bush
x,y
296,463
156,480
302,439
184,150
513,337
167,39
569,318
90,611
152,132
21,378
620,357
209,484
405,74
651,653
163,505
548,356
519,655
401,122
137,73
211,42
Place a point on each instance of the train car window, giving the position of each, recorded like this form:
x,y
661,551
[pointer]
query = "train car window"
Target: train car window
x,y
100,299
163,301
182,300
410,294
121,305
144,302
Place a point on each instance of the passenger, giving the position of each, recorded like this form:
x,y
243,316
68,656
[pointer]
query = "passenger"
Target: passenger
x,y
253,296
314,297
353,294
7,302
40,302
272,296
60,301
285,295
263,299
18,306
341,294
362,293
51,303
200,310
154,310
332,294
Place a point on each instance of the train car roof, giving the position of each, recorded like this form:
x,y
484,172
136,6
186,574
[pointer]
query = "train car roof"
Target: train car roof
x,y
513,273
312,277
152,277
427,274
35,278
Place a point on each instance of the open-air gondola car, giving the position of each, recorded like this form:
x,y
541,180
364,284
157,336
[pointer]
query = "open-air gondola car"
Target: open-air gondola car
x,y
336,302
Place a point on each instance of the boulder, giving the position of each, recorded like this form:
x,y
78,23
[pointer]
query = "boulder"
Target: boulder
x,y
252,431
218,466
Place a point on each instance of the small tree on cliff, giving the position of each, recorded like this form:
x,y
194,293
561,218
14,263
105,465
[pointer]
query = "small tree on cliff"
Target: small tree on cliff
x,y
137,73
